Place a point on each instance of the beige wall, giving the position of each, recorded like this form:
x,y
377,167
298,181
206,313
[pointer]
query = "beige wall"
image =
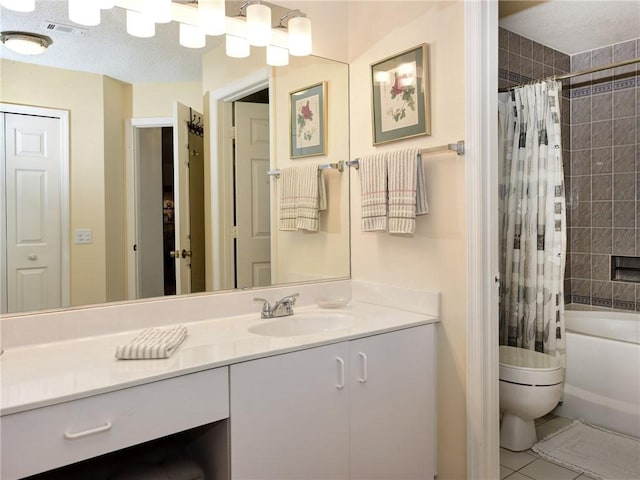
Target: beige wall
x,y
82,95
300,255
117,109
156,99
435,258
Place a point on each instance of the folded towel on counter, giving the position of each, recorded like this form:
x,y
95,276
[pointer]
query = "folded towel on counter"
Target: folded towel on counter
x,y
407,191
302,196
153,343
373,186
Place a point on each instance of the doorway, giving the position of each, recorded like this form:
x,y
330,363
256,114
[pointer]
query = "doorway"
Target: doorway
x,y
251,205
34,231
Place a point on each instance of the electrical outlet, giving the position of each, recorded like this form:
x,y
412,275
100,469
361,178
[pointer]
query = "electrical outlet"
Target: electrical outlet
x,y
83,236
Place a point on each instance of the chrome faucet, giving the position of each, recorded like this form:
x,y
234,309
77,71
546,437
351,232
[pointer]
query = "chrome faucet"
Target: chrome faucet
x,y
281,308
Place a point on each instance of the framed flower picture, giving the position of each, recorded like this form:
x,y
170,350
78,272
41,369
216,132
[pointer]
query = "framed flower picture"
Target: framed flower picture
x,y
308,108
401,96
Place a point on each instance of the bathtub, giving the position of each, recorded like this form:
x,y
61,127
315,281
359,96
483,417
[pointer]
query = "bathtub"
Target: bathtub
x,y
602,384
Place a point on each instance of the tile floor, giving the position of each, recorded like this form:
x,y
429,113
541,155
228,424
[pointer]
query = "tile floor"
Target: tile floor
x,y
529,465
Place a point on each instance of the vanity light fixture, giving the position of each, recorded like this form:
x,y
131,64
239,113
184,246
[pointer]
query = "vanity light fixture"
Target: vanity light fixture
x,y
299,36
211,16
237,47
258,24
160,11
191,36
277,56
140,25
25,43
19,5
85,12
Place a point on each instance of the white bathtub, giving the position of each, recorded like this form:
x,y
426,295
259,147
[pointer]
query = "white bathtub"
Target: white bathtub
x,y
602,384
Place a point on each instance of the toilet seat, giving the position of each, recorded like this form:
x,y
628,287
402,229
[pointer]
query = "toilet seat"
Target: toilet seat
x,y
528,367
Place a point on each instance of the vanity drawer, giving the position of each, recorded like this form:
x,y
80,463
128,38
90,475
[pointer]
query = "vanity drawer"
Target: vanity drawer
x,y
49,437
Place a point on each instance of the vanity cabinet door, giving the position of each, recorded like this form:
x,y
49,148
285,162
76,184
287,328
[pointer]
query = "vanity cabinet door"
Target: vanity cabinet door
x,y
289,416
392,408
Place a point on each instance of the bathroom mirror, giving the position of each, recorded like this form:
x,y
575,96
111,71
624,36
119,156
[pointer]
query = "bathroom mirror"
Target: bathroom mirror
x,y
114,117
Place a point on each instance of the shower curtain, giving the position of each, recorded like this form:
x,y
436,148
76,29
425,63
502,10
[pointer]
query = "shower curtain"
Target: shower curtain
x,y
532,220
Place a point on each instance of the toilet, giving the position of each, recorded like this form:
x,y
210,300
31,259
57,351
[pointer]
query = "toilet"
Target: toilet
x,y
530,387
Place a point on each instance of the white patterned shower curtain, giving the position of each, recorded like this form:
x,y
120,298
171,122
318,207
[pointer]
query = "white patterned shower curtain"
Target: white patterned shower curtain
x,y
532,220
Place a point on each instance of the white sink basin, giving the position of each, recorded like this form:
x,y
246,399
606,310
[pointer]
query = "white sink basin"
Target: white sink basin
x,y
303,324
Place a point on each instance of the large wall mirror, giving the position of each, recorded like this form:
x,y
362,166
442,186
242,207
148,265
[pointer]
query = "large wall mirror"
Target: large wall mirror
x,y
167,162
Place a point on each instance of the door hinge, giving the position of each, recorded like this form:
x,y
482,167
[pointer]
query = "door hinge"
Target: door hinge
x,y
234,232
232,133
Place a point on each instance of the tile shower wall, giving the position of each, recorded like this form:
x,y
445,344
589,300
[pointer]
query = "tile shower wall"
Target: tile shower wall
x,y
604,180
601,154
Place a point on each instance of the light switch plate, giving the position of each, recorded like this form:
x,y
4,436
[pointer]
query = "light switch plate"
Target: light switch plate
x,y
83,236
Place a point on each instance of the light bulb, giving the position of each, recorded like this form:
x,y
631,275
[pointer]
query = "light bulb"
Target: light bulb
x,y
299,36
139,25
84,12
211,16
160,11
277,56
19,5
258,25
191,36
237,47
106,4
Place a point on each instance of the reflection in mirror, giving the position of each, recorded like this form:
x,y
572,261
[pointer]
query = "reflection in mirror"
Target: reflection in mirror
x,y
134,145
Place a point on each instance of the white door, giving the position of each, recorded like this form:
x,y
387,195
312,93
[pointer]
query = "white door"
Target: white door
x,y
253,264
392,410
32,182
182,157
289,416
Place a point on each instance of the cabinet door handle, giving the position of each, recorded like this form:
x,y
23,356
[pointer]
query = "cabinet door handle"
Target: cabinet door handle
x,y
340,384
363,367
85,433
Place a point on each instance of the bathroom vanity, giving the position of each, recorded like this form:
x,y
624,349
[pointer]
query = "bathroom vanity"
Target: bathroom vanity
x,y
356,401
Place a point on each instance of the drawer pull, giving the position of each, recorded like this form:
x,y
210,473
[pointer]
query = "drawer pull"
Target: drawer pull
x,y
85,433
340,384
363,367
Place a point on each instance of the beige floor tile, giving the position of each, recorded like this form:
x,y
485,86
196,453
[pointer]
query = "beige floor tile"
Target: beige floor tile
x,y
504,472
515,460
543,470
551,426
518,476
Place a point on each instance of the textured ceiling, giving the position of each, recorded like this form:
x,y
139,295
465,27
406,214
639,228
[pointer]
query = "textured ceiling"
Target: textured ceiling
x,y
573,26
107,48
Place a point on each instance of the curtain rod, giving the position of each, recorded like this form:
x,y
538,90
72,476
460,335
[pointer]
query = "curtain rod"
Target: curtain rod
x,y
581,72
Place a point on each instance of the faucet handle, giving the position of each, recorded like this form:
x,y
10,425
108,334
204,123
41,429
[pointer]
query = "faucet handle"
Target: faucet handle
x,y
266,306
290,298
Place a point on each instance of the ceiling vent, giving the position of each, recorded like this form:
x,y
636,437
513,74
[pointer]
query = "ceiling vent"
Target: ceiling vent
x,y
62,28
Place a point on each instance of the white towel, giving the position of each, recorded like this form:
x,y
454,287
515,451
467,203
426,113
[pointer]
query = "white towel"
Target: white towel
x,y
407,192
302,195
373,186
288,198
308,198
153,343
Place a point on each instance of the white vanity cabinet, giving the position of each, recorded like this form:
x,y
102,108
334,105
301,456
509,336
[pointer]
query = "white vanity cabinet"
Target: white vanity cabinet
x,y
45,438
360,409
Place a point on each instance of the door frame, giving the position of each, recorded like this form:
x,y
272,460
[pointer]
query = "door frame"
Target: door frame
x,y
65,213
481,135
219,254
131,177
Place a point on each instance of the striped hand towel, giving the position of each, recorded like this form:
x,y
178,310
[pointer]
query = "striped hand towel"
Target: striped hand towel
x,y
153,343
288,198
373,186
407,195
308,198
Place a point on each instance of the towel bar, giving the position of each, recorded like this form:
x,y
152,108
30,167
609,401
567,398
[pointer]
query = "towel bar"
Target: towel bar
x,y
324,166
457,147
